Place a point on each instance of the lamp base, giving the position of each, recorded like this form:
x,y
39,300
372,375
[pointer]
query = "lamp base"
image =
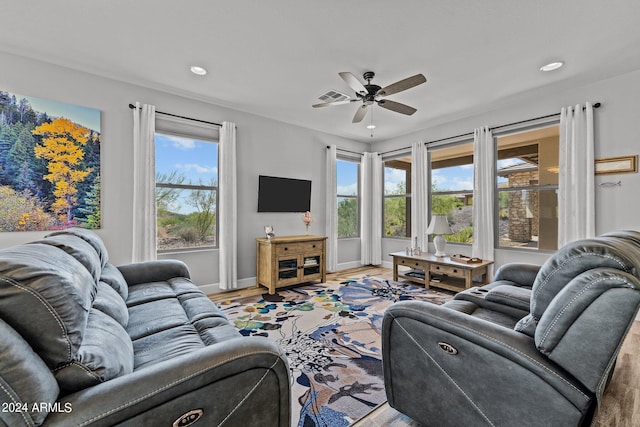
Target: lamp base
x,y
439,242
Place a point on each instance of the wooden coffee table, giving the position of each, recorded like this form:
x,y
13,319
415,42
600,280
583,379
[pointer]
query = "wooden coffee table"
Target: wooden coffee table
x,y
439,272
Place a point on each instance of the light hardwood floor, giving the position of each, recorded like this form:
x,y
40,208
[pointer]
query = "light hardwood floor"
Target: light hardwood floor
x,y
620,405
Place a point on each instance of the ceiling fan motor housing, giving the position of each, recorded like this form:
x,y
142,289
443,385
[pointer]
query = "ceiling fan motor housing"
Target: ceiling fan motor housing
x,y
370,97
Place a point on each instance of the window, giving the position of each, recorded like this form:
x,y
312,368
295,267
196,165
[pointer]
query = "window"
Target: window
x,y
397,198
186,192
452,189
347,179
527,182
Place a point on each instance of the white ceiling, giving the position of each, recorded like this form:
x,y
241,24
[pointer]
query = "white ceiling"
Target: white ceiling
x,y
274,58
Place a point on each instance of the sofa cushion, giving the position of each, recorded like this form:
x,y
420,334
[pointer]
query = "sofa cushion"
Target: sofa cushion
x,y
57,292
24,380
90,237
111,303
81,344
112,276
106,352
572,260
77,248
172,318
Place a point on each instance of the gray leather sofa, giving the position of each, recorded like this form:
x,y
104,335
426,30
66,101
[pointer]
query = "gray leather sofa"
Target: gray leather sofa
x,y
535,347
85,343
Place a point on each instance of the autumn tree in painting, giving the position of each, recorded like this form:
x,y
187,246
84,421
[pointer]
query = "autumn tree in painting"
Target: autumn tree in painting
x,y
62,147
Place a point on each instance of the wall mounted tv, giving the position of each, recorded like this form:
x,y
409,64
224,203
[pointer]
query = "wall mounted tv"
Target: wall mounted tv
x,y
283,194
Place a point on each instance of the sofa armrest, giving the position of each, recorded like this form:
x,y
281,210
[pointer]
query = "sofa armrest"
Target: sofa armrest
x,y
153,271
242,381
519,273
513,296
482,367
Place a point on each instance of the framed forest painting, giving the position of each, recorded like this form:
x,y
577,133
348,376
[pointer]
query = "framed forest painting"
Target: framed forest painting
x,y
49,164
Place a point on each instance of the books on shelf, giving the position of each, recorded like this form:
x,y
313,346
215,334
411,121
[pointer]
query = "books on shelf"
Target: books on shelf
x,y
415,273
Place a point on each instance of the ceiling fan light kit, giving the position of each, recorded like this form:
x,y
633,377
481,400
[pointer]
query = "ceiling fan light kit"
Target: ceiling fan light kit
x,y
371,94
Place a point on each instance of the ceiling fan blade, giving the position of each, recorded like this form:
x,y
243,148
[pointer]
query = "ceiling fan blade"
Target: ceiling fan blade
x,y
360,113
329,104
397,107
401,85
353,82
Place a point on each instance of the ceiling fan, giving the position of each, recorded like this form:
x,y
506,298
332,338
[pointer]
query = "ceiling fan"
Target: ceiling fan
x,y
370,93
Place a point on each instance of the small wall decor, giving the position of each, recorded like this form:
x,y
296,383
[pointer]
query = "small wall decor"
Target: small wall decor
x,y
611,165
49,164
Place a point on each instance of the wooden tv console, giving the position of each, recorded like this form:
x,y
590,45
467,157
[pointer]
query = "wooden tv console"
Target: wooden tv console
x,y
290,260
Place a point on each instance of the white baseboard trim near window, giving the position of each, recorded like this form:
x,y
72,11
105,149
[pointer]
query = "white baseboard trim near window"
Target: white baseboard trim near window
x,y
347,265
214,288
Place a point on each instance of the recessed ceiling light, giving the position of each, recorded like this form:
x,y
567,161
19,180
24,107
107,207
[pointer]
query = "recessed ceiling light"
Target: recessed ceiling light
x,y
552,66
198,70
371,126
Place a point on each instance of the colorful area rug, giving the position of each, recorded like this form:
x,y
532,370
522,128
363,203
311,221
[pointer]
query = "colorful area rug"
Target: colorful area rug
x,y
331,334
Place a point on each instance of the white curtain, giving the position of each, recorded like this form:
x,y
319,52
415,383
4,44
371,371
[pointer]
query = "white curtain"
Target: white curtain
x,y
331,214
484,165
419,195
228,208
144,183
371,211
576,198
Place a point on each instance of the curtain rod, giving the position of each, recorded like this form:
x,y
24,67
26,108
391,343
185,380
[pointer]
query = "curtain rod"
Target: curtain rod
x,y
131,106
346,151
596,105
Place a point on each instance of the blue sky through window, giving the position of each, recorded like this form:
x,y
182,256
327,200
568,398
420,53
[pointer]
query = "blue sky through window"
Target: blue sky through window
x,y
196,160
347,178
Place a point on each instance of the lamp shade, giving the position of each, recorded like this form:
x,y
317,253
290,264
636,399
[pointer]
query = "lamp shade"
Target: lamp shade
x,y
439,225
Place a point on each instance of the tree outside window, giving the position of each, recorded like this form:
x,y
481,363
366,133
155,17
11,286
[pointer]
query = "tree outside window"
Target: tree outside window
x,y
452,189
186,192
397,198
347,179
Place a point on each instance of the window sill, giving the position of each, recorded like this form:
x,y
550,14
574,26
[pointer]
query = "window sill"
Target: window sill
x,y
186,250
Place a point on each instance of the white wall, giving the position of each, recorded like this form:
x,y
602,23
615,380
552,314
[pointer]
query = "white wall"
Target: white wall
x,y
274,148
264,146
617,133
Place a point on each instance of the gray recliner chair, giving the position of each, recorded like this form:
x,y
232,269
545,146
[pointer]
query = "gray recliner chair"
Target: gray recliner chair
x,y
477,362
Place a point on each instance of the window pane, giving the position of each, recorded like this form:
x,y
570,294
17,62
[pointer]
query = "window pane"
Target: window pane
x,y
347,185
459,211
528,219
397,210
395,216
185,161
347,178
347,217
185,218
452,174
395,181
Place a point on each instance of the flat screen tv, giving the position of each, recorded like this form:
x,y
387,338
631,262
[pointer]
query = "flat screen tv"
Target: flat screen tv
x,y
283,194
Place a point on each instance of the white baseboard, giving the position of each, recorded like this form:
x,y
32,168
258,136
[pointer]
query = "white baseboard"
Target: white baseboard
x,y
348,265
214,288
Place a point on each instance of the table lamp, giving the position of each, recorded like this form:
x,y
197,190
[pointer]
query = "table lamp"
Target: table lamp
x,y
439,226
